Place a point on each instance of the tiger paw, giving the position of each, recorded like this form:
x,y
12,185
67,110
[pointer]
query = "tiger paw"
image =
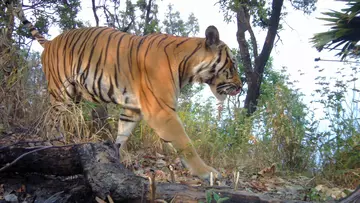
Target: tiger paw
x,y
205,173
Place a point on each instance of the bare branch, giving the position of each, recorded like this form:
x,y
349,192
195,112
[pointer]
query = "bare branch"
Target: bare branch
x,y
270,36
20,157
128,26
147,18
244,49
33,151
253,42
95,14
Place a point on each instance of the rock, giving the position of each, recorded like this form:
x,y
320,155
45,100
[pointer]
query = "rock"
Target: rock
x,y
11,198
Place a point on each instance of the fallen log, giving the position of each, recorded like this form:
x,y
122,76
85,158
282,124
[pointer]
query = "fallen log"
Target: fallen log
x,y
353,197
100,174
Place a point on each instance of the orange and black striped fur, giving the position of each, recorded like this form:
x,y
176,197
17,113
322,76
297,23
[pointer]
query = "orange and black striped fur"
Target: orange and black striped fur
x,y
144,74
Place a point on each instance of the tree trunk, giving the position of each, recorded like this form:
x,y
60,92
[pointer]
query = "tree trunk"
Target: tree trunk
x,y
254,70
147,18
94,12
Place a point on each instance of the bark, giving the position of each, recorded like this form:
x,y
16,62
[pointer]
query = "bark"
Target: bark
x,y
254,71
98,174
147,18
95,14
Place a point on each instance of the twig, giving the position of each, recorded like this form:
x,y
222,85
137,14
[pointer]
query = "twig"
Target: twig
x,y
151,178
172,175
98,200
27,142
279,39
110,199
20,157
35,150
236,180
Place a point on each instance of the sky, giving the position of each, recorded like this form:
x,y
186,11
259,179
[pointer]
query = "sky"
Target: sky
x,y
293,50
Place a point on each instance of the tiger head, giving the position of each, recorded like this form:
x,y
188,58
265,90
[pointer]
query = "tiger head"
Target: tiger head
x,y
218,68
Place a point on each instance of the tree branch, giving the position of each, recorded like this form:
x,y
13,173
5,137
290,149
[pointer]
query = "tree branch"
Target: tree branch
x,y
147,18
95,14
261,60
109,17
128,26
242,25
253,42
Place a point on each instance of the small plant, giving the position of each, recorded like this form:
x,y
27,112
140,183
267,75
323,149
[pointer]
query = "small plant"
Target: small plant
x,y
212,195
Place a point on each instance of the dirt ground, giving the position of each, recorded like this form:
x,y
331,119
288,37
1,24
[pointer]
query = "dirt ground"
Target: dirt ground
x,y
267,182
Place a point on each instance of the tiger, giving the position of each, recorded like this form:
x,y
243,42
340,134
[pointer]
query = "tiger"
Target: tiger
x,y
142,74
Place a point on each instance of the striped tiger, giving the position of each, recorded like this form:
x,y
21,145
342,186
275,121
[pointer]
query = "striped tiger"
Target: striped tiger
x,y
143,74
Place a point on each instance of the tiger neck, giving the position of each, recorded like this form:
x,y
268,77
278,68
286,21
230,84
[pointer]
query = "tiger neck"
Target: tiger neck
x,y
190,64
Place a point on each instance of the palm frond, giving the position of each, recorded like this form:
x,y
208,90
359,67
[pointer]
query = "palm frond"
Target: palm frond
x,y
344,30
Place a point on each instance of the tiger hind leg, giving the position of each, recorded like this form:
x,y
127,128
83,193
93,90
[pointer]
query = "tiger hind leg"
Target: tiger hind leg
x,y
128,120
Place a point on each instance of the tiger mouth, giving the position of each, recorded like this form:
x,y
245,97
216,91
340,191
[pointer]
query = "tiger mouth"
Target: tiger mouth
x,y
235,92
228,89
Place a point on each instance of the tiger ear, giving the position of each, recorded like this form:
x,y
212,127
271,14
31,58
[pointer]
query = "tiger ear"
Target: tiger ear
x,y
212,36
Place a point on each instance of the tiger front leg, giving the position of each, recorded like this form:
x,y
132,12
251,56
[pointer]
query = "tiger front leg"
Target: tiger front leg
x,y
169,127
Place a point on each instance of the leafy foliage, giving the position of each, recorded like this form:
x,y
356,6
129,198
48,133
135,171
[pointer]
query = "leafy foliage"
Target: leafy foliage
x,y
339,141
344,31
176,26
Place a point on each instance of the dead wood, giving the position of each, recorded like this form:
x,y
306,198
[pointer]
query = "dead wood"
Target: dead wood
x,y
354,197
100,173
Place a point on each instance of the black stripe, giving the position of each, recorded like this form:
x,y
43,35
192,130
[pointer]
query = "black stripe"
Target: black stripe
x,y
97,67
146,53
153,40
111,92
165,36
99,86
172,108
81,50
137,53
225,63
124,115
127,120
187,59
107,47
130,45
191,79
118,54
180,72
116,77
72,46
165,141
145,103
152,92
182,42
98,34
169,65
67,38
